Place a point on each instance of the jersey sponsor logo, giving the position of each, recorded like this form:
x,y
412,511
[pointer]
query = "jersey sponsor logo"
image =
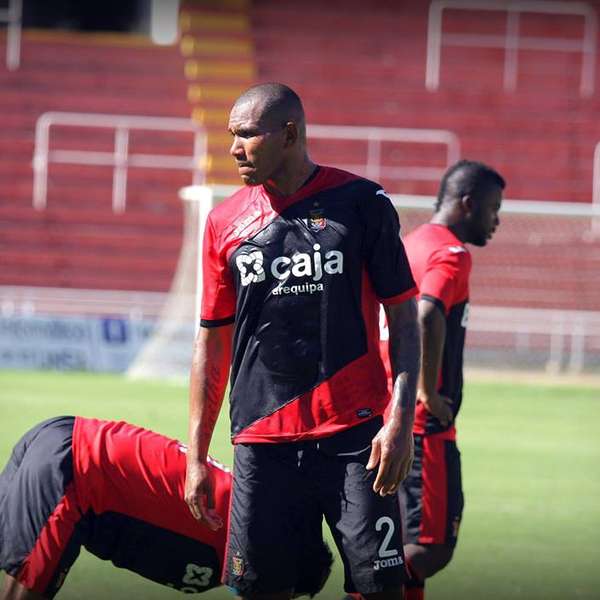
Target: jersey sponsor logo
x,y
194,580
456,249
252,269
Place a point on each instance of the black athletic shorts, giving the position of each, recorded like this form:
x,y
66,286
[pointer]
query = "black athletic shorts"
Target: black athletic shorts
x,y
281,493
432,492
38,508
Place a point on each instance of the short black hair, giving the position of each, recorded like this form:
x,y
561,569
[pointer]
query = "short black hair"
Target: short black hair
x,y
279,102
467,177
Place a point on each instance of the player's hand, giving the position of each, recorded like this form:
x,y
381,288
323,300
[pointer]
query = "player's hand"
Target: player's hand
x,y
393,450
199,494
439,406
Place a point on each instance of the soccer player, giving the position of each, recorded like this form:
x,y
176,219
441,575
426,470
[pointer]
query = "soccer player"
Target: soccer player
x,y
466,212
295,266
116,490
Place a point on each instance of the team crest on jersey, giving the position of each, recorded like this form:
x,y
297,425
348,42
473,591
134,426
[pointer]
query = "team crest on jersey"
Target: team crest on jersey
x,y
237,566
316,220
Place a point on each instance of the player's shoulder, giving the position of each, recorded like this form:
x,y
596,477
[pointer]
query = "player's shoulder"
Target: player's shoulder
x,y
433,244
230,208
437,238
332,177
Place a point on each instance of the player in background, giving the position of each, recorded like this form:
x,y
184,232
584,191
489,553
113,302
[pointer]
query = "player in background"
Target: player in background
x,y
295,267
116,490
466,212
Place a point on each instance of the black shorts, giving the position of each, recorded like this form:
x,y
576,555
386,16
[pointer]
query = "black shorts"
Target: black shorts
x,y
39,513
432,492
281,493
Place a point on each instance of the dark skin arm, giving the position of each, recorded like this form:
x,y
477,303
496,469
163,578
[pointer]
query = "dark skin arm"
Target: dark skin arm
x,y
208,381
433,328
392,447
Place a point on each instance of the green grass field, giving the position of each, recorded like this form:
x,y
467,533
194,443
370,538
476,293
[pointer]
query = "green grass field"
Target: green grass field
x,y
531,469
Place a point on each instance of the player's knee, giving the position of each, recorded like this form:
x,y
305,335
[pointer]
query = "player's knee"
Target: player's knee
x,y
425,560
443,555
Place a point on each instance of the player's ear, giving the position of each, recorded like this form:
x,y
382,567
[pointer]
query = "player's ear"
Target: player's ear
x,y
467,205
291,133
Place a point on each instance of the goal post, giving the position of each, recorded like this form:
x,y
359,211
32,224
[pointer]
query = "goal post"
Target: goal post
x,y
168,352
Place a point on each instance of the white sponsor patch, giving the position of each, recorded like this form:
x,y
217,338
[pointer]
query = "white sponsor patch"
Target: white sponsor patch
x,y
300,265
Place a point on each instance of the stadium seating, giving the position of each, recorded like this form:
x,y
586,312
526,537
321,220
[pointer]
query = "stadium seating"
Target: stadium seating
x,y
77,241
354,63
357,63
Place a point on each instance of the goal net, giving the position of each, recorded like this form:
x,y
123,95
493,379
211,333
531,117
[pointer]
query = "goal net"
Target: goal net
x,y
535,290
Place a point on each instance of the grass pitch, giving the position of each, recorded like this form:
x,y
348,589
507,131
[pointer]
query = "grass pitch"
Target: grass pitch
x,y
531,474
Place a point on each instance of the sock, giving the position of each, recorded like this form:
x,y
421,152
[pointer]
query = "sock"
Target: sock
x,y
414,593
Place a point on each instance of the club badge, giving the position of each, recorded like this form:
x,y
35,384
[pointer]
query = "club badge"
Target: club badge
x,y
237,566
316,220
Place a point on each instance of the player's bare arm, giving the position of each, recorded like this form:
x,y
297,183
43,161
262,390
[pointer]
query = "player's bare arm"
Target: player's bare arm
x,y
208,380
392,447
433,331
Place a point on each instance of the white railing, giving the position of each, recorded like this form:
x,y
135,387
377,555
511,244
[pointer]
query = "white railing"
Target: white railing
x,y
376,136
513,41
567,331
596,190
120,159
12,17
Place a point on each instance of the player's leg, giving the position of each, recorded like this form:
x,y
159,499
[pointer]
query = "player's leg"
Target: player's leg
x,y
40,513
366,527
266,517
433,501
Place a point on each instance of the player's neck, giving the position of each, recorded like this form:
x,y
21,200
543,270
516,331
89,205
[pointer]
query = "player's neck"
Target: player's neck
x,y
456,227
290,180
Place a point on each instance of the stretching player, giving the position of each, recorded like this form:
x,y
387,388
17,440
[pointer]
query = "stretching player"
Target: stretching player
x,y
466,212
116,490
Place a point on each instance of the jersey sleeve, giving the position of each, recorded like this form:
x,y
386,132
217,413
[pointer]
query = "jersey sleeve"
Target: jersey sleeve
x,y
445,282
218,290
384,252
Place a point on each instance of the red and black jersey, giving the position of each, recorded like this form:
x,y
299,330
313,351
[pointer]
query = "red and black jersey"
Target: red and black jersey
x,y
129,484
441,265
302,277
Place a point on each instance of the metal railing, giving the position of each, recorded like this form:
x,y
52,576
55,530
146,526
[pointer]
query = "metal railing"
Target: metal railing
x,y
376,136
513,41
120,159
596,190
12,17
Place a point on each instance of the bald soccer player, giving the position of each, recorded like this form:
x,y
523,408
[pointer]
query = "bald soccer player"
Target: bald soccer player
x,y
296,265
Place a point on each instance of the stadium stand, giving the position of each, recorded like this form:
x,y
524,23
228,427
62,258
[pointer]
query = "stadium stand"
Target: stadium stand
x,y
354,64
77,242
